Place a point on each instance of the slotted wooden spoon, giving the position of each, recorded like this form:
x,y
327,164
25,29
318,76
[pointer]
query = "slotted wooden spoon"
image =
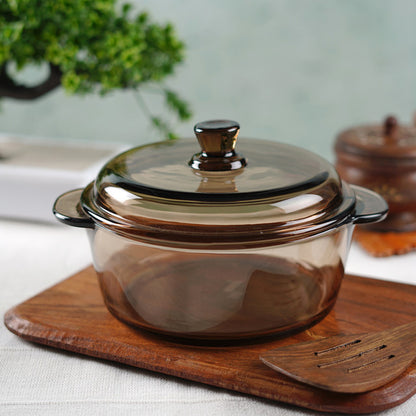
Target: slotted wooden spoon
x,y
348,363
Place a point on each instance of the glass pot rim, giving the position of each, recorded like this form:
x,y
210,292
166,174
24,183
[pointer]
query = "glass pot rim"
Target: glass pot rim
x,y
230,236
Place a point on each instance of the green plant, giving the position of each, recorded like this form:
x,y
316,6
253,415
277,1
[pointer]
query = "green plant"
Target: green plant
x,y
90,46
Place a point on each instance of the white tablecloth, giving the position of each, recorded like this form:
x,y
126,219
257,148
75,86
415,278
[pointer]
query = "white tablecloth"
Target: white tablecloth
x,y
36,380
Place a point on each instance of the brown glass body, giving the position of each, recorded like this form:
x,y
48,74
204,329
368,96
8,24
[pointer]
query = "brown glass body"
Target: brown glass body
x,y
212,295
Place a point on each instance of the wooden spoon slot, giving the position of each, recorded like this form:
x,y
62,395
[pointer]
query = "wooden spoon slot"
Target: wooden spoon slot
x,y
352,357
365,366
336,347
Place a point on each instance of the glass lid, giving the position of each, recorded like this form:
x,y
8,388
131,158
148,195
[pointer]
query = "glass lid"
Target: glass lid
x,y
174,186
175,170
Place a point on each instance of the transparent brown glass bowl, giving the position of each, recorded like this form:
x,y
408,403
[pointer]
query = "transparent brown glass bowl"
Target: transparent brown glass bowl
x,y
216,246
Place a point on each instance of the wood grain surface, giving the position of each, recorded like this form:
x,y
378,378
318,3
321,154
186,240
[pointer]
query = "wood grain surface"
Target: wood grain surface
x,y
348,363
72,316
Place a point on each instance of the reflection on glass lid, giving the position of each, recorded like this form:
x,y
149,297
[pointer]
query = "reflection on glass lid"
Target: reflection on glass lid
x,y
257,190
162,170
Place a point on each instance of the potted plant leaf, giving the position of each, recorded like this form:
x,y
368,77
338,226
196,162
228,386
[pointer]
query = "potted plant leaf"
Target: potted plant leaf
x,y
90,47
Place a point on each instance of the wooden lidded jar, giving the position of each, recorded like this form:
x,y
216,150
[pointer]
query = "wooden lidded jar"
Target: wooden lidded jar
x,y
383,158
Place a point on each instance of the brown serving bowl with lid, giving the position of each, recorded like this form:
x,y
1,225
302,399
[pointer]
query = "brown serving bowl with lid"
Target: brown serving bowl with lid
x,y
213,244
382,157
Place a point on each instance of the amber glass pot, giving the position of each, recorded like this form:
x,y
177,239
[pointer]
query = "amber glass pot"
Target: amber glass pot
x,y
215,244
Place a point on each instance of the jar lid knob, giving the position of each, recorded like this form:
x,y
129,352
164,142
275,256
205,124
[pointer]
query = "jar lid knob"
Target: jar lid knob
x,y
391,128
217,139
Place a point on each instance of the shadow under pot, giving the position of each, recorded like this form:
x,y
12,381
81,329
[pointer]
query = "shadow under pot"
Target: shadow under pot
x,y
382,158
212,244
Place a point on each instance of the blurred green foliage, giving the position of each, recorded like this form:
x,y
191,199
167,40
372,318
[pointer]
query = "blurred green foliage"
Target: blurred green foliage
x,y
97,45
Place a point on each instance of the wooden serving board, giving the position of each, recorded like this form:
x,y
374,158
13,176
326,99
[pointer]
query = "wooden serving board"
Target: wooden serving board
x,y
72,316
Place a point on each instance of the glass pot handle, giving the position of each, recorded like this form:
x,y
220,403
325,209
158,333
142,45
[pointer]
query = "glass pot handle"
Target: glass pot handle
x,y
369,206
67,209
217,139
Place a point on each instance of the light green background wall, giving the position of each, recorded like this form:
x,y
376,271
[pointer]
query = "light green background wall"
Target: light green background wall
x,y
296,71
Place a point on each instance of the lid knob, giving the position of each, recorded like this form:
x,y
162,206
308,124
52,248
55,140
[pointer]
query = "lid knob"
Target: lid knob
x,y
217,139
391,128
